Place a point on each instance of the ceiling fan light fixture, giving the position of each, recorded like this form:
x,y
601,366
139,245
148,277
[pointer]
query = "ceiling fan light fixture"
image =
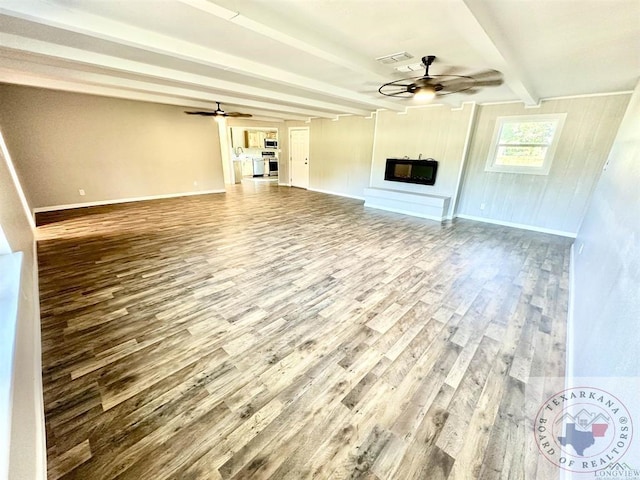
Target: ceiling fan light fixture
x,y
425,94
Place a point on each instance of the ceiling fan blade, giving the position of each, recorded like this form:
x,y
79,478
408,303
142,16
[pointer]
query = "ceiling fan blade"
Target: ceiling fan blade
x,y
489,83
238,114
449,70
204,114
486,74
455,83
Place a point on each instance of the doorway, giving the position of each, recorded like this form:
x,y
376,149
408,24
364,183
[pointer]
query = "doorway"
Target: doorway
x,y
299,156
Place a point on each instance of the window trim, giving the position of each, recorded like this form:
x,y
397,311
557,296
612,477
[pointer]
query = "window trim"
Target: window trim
x,y
491,166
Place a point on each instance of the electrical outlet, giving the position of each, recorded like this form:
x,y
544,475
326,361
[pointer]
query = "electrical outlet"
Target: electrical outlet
x,y
482,205
81,192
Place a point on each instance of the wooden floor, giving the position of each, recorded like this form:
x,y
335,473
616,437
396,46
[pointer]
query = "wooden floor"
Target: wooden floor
x,y
271,332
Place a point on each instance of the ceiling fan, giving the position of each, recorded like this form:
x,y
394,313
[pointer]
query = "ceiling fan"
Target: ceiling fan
x,y
427,87
220,113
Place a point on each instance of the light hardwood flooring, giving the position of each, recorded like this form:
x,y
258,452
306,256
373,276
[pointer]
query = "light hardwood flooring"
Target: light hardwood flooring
x,y
271,332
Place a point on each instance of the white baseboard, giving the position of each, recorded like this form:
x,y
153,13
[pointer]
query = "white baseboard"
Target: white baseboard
x,y
284,184
523,226
121,200
338,194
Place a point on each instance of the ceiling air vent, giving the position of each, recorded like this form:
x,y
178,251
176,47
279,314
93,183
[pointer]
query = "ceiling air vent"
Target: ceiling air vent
x,y
414,67
394,58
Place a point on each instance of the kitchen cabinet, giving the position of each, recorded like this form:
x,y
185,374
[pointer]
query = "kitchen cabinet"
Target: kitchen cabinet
x,y
237,138
247,167
255,138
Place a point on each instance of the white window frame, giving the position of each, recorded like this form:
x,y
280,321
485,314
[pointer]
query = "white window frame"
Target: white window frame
x,y
491,166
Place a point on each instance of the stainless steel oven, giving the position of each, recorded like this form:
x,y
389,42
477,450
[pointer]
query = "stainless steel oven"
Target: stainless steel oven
x,y
272,161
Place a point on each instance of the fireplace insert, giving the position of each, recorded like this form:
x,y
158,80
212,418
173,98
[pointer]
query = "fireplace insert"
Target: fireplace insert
x,y
411,171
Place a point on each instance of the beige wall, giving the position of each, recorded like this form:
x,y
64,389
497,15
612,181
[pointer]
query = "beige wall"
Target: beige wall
x,y
27,454
436,132
556,201
340,155
113,149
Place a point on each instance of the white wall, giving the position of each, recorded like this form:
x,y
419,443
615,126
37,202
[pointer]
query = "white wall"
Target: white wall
x,y
112,148
556,201
604,330
27,453
437,132
340,155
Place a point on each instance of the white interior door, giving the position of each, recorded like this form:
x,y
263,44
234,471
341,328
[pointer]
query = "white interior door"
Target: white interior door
x,y
299,154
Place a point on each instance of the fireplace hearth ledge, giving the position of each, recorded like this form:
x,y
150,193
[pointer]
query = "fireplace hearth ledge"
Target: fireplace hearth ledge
x,y
424,205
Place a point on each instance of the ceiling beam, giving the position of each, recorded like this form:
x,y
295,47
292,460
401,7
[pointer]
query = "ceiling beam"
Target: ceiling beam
x,y
128,84
8,75
128,35
477,25
46,49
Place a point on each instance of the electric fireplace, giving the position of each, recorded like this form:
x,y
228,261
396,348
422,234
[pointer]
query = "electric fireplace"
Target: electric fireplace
x,y
411,171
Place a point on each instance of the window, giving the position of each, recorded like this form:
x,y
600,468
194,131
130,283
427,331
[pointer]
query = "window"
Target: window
x,y
525,144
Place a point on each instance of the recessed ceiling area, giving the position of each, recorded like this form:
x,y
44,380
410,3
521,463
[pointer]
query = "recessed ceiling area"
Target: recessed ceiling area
x,y
294,60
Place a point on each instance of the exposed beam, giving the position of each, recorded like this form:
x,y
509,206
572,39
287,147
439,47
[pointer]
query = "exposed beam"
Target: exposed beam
x,y
8,75
186,94
482,33
128,35
28,45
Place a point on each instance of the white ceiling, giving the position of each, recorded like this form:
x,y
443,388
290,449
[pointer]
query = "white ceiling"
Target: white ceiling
x,y
295,59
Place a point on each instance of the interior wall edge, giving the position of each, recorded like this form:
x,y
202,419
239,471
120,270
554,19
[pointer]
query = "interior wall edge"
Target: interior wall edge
x,y
453,207
569,348
16,182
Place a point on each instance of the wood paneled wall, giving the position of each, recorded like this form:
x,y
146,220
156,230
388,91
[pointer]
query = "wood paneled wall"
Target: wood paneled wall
x,y
437,132
340,155
556,201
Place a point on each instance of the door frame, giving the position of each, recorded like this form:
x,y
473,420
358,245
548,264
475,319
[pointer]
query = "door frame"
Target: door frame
x,y
231,149
290,163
